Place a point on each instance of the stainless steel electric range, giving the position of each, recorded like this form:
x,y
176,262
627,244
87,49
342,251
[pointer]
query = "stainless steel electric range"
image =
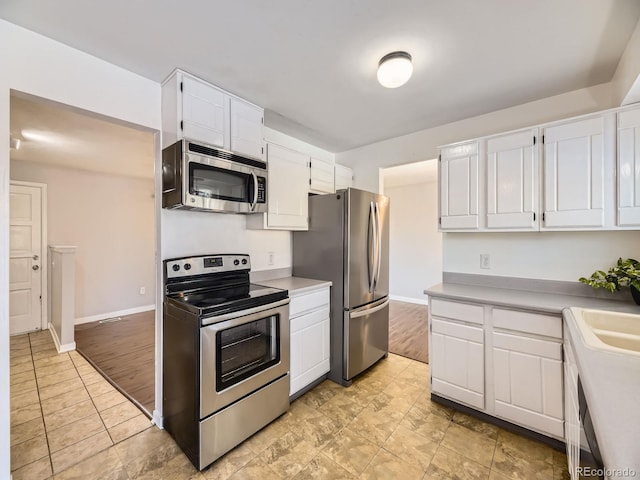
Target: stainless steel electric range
x,y
225,354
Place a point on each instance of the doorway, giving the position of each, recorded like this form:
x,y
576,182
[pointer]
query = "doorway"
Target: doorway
x,y
415,253
99,177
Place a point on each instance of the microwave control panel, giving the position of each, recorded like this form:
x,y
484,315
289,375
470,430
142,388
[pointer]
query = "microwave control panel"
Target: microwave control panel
x,y
262,190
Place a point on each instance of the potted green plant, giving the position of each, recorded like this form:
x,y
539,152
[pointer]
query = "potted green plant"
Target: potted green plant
x,y
623,273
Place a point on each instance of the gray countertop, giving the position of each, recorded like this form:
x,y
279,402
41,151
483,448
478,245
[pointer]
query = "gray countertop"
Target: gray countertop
x,y
296,285
525,299
611,383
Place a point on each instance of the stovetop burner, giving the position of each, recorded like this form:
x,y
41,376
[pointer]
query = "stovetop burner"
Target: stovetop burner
x,y
215,285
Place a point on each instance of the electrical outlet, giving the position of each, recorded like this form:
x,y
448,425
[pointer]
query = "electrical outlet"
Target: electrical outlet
x,y
142,290
272,258
485,260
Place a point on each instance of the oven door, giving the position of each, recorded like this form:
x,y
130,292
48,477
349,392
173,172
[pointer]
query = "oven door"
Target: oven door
x,y
241,353
224,186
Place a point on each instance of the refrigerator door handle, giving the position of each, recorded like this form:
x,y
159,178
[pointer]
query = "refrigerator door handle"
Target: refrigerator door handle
x,y
369,310
378,244
371,252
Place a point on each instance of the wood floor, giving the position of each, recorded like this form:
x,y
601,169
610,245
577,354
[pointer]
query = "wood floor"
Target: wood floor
x,y
408,330
124,351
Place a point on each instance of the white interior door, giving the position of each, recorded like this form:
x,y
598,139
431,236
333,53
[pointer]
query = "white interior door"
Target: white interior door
x,y
25,254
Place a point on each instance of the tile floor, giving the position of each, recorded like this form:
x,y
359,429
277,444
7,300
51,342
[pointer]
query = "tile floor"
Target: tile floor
x,y
69,423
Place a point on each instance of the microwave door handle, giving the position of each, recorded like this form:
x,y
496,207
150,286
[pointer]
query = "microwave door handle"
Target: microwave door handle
x,y
255,191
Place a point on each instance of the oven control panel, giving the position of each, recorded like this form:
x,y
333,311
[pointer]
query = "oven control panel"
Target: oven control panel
x,y
205,264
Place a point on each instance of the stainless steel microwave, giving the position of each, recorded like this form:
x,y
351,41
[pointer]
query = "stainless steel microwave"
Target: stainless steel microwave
x,y
196,176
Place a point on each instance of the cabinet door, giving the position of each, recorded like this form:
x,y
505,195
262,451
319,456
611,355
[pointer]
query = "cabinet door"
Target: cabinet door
x,y
457,362
528,382
287,192
246,129
512,181
309,348
574,174
343,177
629,167
205,113
459,187
321,177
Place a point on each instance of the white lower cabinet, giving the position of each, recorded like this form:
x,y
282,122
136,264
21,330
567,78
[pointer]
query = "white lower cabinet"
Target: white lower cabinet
x,y
528,382
457,368
505,363
456,348
310,336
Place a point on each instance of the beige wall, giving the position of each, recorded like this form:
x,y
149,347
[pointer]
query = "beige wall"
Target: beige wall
x,y
415,244
111,220
564,256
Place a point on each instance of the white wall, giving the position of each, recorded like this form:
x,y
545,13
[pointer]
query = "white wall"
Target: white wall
x,y
415,245
544,255
37,65
201,233
415,147
110,218
626,79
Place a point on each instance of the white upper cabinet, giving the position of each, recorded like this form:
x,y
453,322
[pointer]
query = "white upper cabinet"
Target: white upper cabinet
x,y
205,112
629,167
287,191
512,181
343,177
574,177
199,111
459,192
321,178
246,128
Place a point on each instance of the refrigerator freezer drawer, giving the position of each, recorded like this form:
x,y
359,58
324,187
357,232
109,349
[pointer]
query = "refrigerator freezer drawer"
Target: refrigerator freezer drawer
x,y
366,337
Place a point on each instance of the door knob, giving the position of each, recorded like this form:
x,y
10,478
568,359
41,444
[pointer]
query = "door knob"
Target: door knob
x,y
36,267
35,257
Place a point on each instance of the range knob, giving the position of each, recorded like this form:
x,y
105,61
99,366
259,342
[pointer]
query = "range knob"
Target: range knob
x,y
176,267
236,262
244,261
187,266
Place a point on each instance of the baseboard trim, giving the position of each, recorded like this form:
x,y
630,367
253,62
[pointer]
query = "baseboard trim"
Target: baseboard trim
x,y
61,348
118,313
400,298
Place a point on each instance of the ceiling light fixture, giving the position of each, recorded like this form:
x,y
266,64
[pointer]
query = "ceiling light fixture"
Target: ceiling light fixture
x,y
394,69
15,143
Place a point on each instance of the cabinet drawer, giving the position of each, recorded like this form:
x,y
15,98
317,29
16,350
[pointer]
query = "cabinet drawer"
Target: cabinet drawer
x,y
456,330
302,322
457,311
310,301
547,325
530,346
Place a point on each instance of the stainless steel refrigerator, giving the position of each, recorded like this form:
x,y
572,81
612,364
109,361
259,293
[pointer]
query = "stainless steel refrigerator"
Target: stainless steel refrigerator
x,y
348,244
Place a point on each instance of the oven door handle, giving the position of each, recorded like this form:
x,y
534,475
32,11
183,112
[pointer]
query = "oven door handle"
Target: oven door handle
x,y
255,192
243,313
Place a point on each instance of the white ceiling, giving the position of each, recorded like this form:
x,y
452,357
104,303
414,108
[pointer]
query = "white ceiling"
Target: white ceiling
x,y
410,174
312,64
57,135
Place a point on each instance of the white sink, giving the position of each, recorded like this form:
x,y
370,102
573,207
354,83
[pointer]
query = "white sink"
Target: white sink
x,y
612,331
